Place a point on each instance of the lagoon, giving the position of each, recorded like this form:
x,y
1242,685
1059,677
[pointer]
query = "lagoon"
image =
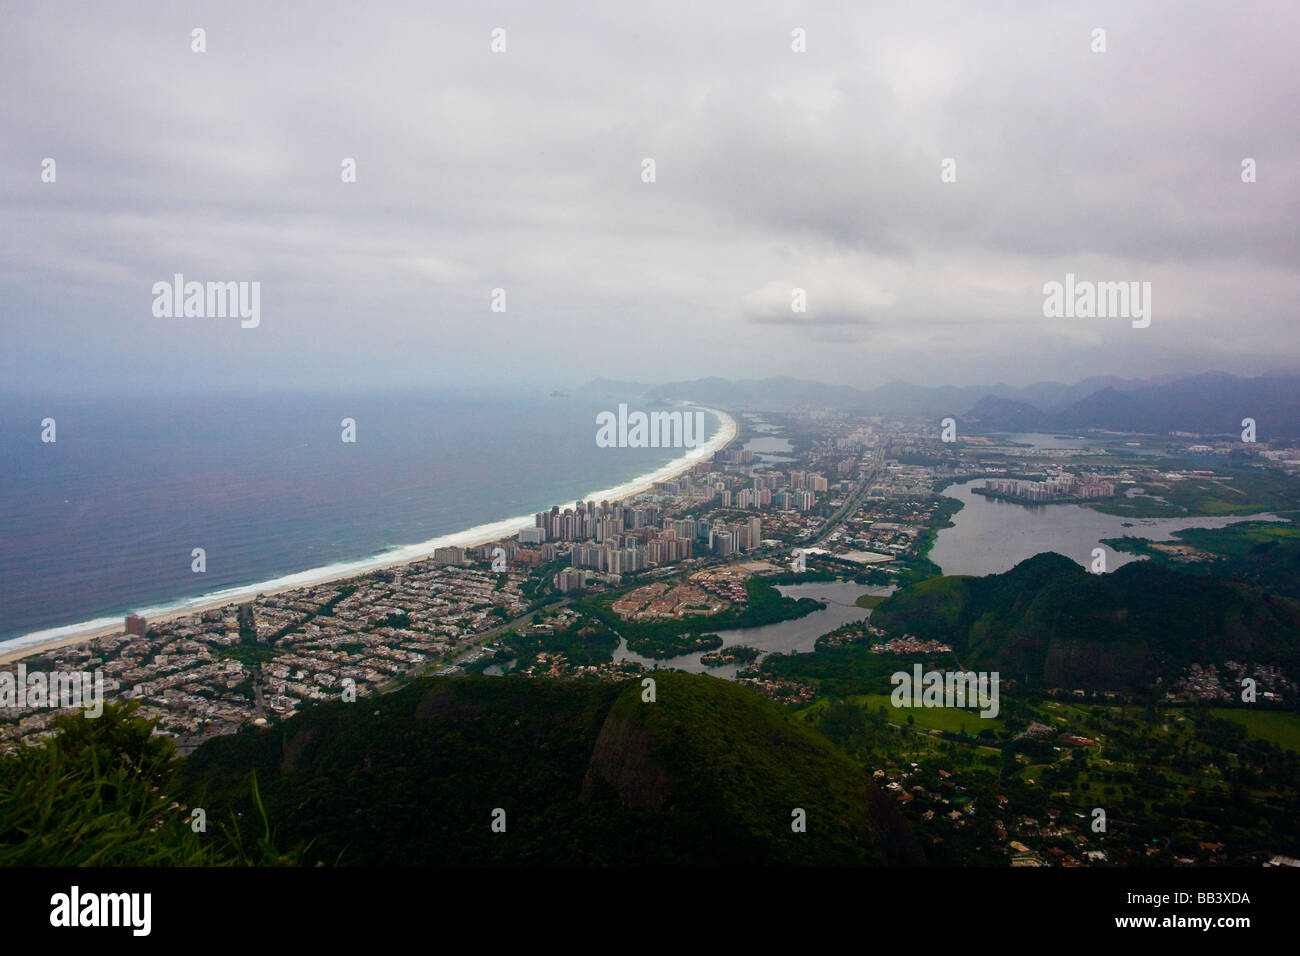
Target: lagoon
x,y
991,535
784,637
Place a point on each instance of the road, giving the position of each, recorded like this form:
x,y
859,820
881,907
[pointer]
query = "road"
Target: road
x,y
475,645
849,507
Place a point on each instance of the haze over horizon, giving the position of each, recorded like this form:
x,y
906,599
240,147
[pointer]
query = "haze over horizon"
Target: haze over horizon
x,y
522,170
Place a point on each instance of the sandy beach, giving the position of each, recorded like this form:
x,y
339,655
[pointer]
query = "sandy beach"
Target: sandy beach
x,y
727,433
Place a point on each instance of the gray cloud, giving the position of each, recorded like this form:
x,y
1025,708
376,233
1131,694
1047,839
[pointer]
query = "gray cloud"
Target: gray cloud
x,y
801,321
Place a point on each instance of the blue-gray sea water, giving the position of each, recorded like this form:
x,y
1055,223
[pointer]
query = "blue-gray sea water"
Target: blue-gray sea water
x,y
104,520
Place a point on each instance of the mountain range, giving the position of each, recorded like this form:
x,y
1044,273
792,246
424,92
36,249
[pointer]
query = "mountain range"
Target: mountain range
x,y
1212,403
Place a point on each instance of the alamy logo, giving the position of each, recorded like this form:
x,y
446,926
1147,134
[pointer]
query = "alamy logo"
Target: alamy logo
x,y
655,430
213,300
1098,300
54,689
951,689
102,909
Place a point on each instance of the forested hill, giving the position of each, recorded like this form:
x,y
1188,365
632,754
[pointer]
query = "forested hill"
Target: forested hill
x,y
1051,621
709,773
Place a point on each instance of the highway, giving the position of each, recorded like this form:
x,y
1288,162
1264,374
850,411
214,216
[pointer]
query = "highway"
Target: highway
x,y
850,506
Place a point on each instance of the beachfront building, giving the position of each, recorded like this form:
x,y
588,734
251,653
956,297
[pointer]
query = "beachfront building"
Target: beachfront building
x,y
570,580
445,556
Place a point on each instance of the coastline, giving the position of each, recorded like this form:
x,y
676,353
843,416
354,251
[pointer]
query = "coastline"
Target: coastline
x,y
728,430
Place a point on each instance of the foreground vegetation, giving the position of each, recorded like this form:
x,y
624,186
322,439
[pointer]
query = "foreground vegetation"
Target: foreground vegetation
x,y
104,792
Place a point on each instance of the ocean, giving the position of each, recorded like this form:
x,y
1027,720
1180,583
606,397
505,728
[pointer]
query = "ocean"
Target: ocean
x,y
104,520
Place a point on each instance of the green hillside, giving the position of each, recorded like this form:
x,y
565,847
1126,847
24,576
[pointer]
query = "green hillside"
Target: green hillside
x,y
1049,619
1265,554
709,773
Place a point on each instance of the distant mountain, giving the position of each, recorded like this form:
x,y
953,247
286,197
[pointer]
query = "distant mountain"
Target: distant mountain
x,y
781,392
1009,414
785,393
1211,403
1052,396
707,773
907,399
607,388
1051,621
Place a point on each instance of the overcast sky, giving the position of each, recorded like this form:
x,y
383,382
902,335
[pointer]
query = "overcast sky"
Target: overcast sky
x,y
522,170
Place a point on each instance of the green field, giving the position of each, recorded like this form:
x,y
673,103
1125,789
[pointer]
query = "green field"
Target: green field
x,y
870,600
949,719
1236,540
1233,543
1274,726
1248,490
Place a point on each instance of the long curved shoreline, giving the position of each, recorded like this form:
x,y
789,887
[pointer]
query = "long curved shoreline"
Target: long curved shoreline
x,y
39,642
